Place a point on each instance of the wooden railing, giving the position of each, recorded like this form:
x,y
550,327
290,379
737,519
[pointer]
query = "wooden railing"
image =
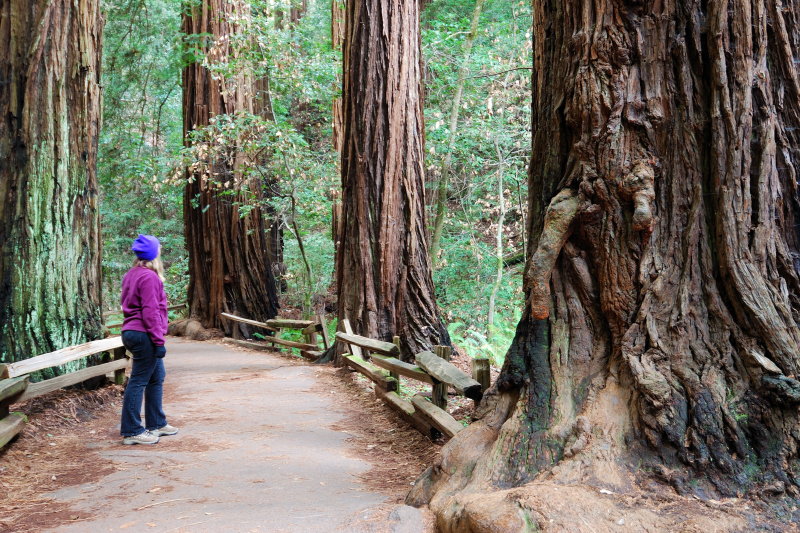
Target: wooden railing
x,y
15,386
118,325
309,349
378,361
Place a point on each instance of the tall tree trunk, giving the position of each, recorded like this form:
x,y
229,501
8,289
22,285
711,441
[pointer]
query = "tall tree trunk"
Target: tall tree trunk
x,y
297,11
49,221
229,266
660,325
337,43
337,23
337,40
383,272
455,111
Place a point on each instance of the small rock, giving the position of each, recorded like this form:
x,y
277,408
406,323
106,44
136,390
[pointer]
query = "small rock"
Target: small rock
x,y
406,519
776,488
605,491
621,522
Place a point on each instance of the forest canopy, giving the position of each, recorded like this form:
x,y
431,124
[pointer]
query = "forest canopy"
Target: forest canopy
x,y
142,151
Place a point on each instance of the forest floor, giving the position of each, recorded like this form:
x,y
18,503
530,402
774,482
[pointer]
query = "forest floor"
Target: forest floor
x,y
267,443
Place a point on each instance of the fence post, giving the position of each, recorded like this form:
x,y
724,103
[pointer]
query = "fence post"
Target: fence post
x,y
481,373
119,375
439,392
395,375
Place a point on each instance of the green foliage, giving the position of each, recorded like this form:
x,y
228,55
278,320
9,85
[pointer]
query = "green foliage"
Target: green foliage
x,y
142,129
493,136
289,151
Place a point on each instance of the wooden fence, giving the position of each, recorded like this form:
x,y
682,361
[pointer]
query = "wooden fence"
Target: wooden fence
x,y
15,386
378,361
117,325
309,349
375,359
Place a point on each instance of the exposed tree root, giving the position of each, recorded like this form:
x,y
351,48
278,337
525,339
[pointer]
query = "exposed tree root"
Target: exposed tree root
x,y
192,329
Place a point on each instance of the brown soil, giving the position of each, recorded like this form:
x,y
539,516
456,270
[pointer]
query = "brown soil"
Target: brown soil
x,y
49,454
397,451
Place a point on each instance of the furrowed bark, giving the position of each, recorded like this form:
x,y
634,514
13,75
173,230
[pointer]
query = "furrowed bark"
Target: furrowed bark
x,y
660,326
383,271
49,222
229,261
337,42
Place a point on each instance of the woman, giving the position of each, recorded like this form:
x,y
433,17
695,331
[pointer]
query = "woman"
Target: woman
x,y
144,304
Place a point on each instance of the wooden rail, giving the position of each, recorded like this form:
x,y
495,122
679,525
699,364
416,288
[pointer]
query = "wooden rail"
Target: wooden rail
x,y
446,372
119,312
402,368
15,386
59,357
375,360
382,347
309,349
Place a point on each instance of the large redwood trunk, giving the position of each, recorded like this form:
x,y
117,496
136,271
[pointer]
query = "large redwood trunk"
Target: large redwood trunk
x,y
229,262
383,271
49,220
660,327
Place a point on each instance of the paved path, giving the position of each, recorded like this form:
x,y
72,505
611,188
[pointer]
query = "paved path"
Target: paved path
x,y
255,452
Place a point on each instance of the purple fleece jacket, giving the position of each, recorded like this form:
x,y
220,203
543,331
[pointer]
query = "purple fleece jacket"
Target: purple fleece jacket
x,y
144,304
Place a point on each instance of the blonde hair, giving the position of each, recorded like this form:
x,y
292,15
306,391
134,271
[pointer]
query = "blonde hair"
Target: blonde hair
x,y
156,265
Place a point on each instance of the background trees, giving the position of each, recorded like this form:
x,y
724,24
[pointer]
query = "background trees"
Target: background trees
x,y
141,145
50,290
229,262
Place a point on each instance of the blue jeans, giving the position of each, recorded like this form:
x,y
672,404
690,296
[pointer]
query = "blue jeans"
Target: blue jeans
x,y
147,379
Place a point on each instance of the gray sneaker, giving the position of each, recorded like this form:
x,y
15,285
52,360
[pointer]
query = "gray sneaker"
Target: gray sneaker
x,y
164,430
145,437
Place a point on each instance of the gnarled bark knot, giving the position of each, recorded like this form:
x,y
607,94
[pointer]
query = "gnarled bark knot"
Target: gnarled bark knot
x,y
637,185
557,228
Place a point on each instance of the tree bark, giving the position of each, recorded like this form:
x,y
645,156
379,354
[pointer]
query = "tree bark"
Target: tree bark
x,y
49,222
297,11
383,271
229,262
660,326
337,41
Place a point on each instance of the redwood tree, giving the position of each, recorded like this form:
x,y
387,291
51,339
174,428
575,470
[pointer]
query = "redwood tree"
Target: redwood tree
x,y
49,221
660,326
383,273
229,264
337,42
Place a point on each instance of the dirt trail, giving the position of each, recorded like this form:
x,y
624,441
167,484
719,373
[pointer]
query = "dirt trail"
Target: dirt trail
x,y
261,448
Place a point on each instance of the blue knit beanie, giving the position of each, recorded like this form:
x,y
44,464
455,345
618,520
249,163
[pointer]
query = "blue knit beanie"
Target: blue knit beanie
x,y
146,247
